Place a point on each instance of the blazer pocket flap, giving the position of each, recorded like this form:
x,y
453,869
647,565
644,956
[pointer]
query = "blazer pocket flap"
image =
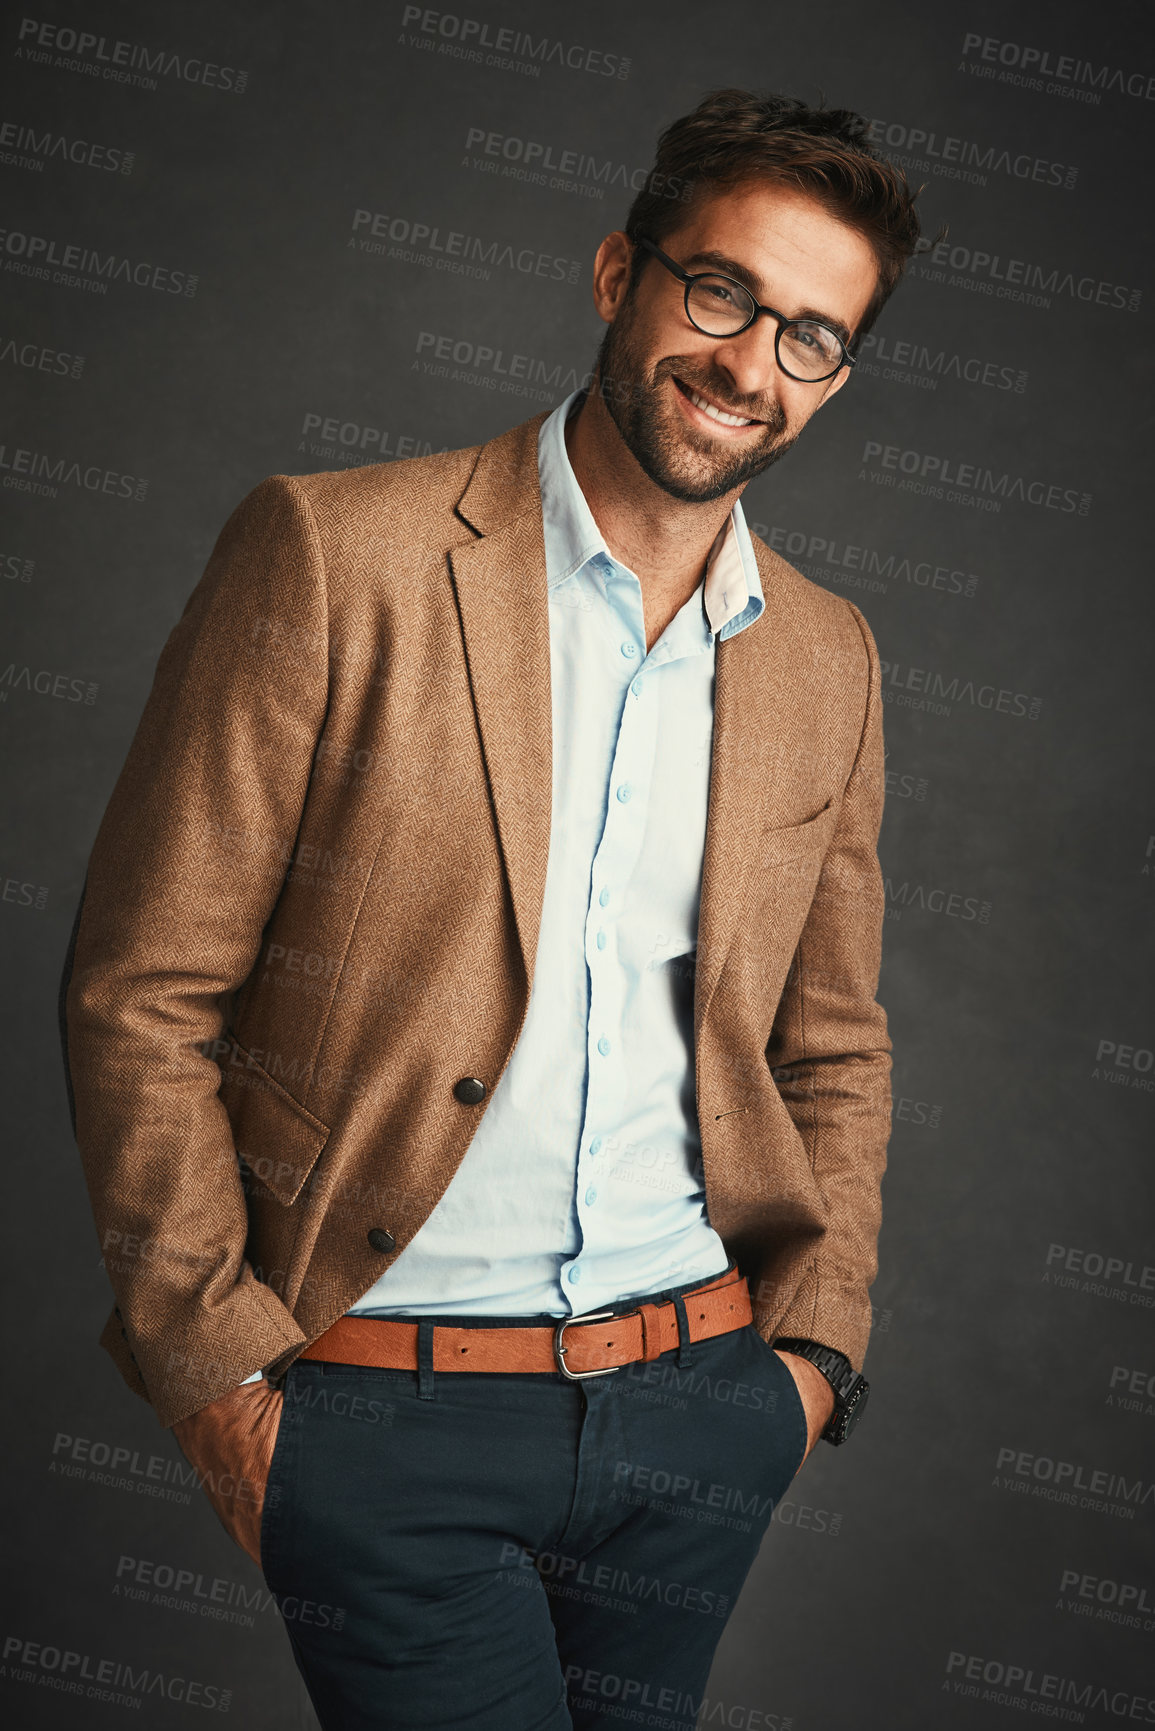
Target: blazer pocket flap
x,y
799,840
276,1139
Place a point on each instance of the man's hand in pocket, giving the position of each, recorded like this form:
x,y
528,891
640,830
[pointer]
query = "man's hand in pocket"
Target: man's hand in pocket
x,y
815,1393
230,1442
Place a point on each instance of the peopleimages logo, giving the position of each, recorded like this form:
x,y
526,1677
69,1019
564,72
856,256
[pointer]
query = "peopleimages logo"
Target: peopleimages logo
x,y
495,369
358,442
1015,1685
113,1680
962,159
121,62
537,164
1106,1600
27,147
1102,1276
1017,279
508,49
1020,63
860,567
16,567
40,358
1072,1482
964,483
928,689
936,901
918,363
42,472
83,267
415,242
46,682
1125,1066
145,1581
24,894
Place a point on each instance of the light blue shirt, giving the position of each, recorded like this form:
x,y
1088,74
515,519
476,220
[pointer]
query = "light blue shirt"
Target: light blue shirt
x,y
583,1183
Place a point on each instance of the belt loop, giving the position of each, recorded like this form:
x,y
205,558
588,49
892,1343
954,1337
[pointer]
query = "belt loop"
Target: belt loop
x,y
684,1349
424,1360
651,1315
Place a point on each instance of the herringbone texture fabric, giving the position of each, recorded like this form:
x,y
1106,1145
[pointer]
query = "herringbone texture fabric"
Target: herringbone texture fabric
x,y
312,905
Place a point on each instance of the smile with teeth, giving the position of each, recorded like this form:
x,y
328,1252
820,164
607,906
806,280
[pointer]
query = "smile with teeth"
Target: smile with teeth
x,y
716,414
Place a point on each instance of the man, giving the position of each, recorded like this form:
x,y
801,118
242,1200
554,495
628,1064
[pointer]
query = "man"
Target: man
x,y
483,933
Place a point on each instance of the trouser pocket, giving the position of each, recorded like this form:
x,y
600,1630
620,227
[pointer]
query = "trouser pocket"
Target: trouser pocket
x,y
272,1510
788,1405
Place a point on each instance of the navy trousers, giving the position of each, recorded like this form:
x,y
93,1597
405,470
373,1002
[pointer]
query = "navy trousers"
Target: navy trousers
x,y
491,1552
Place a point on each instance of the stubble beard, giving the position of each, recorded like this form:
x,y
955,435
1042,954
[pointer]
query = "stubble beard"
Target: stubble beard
x,y
688,465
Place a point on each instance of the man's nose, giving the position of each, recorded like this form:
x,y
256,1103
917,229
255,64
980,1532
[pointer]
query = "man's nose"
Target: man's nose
x,y
748,360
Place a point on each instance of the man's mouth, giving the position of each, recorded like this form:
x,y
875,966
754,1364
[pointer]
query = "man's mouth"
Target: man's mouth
x,y
724,417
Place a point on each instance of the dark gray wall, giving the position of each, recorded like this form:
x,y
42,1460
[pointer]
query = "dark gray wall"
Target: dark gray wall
x,y
983,1547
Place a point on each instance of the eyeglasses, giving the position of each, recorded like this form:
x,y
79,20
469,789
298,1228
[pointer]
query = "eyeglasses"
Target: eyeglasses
x,y
719,306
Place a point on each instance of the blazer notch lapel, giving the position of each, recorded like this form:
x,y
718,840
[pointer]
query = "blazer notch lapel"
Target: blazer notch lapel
x,y
758,729
500,583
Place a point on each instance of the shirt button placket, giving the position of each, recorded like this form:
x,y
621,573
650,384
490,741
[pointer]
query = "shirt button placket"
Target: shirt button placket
x,y
610,870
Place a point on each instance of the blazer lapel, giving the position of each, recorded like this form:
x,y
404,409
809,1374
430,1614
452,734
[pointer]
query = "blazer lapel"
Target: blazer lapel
x,y
500,583
762,756
763,762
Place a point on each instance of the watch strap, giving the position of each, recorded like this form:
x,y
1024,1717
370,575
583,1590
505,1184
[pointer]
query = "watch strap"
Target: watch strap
x,y
835,1366
849,1385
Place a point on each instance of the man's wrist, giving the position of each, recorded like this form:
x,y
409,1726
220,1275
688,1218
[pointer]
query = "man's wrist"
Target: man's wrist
x,y
848,1387
820,1396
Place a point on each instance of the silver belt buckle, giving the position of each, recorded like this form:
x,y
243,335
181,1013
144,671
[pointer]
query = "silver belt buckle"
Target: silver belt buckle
x,y
559,1348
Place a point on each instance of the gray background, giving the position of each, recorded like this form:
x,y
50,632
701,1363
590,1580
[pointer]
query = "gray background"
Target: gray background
x,y
1013,1347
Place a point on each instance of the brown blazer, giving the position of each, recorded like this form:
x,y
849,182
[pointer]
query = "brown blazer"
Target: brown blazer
x,y
312,907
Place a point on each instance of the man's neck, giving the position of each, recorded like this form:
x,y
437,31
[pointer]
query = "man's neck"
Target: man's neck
x,y
663,540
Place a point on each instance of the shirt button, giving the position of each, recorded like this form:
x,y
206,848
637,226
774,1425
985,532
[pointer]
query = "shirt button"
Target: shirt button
x,y
574,1274
624,791
601,940
603,898
595,1145
629,650
603,1046
591,1196
636,687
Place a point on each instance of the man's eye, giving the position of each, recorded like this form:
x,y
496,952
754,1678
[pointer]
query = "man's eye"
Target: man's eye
x,y
813,339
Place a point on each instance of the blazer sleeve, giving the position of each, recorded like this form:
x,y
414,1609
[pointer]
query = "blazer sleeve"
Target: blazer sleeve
x,y
184,873
830,1051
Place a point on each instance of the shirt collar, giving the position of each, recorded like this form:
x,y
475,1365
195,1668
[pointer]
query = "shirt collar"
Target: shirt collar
x,y
733,592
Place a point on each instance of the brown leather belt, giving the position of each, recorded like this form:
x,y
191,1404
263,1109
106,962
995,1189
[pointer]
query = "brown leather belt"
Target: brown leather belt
x,y
579,1346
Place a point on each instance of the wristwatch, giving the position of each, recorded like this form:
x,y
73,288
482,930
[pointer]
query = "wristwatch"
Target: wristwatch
x,y
850,1386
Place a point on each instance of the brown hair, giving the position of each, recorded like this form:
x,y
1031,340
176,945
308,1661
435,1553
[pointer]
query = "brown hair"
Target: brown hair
x,y
734,136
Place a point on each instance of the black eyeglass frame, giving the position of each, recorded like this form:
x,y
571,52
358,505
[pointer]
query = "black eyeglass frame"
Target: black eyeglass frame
x,y
689,278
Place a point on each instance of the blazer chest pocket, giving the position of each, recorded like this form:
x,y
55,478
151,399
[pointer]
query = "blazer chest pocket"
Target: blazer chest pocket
x,y
276,1139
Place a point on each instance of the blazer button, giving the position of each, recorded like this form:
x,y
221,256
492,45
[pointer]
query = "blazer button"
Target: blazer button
x,y
470,1090
382,1240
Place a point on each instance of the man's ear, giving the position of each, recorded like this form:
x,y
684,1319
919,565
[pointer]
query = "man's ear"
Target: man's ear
x,y
835,384
612,274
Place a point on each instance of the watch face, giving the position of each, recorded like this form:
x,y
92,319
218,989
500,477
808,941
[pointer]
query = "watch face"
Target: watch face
x,y
848,1411
856,1406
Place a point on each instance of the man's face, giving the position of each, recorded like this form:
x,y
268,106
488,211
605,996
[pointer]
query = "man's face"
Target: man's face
x,y
792,256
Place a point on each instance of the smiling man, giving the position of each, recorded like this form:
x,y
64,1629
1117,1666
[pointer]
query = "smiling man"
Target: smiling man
x,y
471,1015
